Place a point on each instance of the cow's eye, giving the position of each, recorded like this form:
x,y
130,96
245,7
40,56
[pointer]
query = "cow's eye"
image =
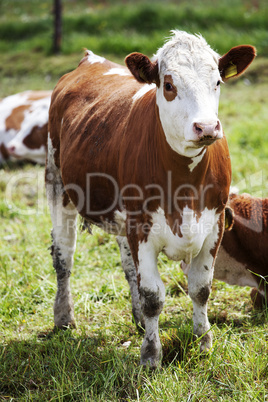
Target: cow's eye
x,y
168,87
218,83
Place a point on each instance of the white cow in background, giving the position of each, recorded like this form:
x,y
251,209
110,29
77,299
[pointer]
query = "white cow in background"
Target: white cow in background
x,y
23,126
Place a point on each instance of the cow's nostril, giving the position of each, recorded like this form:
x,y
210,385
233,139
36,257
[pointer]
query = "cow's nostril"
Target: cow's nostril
x,y
218,126
198,128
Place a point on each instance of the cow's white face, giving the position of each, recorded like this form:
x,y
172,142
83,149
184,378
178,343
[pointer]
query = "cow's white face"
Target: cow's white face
x,y
187,74
188,94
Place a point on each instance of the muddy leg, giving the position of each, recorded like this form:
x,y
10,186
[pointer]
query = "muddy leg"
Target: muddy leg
x,y
131,276
63,244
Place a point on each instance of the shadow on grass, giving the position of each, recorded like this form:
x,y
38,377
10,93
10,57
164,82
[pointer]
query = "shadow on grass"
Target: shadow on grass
x,y
65,365
57,363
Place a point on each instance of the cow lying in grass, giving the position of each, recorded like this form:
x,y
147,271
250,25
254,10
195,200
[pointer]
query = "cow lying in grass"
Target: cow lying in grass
x,y
23,126
243,256
141,153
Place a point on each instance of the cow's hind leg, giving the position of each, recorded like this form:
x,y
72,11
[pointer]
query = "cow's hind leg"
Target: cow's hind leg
x,y
131,276
63,216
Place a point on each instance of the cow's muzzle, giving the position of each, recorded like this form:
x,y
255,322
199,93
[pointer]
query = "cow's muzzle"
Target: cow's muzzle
x,y
207,133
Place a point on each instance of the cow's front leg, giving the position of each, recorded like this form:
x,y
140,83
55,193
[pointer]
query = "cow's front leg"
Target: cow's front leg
x,y
131,276
152,296
200,275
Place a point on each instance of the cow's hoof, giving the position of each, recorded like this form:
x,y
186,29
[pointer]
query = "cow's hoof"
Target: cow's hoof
x,y
151,353
64,327
258,300
206,344
64,323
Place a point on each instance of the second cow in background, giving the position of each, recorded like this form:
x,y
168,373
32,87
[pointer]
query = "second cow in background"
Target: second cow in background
x,y
23,126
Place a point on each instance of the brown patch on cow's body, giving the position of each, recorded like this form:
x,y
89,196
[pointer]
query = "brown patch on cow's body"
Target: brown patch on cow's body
x,y
36,95
247,241
14,120
37,137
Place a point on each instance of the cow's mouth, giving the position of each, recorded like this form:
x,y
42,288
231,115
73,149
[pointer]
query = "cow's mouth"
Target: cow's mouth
x,y
206,140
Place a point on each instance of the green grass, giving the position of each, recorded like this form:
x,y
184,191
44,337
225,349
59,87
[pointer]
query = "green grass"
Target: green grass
x,y
94,362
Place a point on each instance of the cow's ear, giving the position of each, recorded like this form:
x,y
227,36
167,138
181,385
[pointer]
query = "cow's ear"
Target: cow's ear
x,y
142,68
236,61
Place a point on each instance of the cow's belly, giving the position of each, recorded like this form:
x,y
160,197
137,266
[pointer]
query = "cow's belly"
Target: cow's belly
x,y
231,271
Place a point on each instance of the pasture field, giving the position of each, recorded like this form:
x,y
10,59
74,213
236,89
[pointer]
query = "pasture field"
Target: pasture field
x,y
99,360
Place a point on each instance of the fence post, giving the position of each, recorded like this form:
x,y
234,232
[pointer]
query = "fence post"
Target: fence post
x,y
57,12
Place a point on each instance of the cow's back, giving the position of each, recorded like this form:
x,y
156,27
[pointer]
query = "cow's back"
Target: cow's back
x,y
89,108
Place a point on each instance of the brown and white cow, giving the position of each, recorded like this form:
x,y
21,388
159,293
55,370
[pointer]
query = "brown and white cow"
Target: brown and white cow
x,y
144,157
243,256
23,126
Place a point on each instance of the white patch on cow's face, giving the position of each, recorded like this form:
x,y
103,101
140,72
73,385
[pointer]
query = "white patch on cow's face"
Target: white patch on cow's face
x,y
188,96
194,234
118,71
94,58
196,160
144,89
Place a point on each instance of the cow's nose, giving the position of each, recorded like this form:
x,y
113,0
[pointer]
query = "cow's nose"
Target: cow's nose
x,y
207,130
11,149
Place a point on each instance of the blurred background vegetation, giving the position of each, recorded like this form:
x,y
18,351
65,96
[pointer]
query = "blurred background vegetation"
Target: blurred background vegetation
x,y
114,29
